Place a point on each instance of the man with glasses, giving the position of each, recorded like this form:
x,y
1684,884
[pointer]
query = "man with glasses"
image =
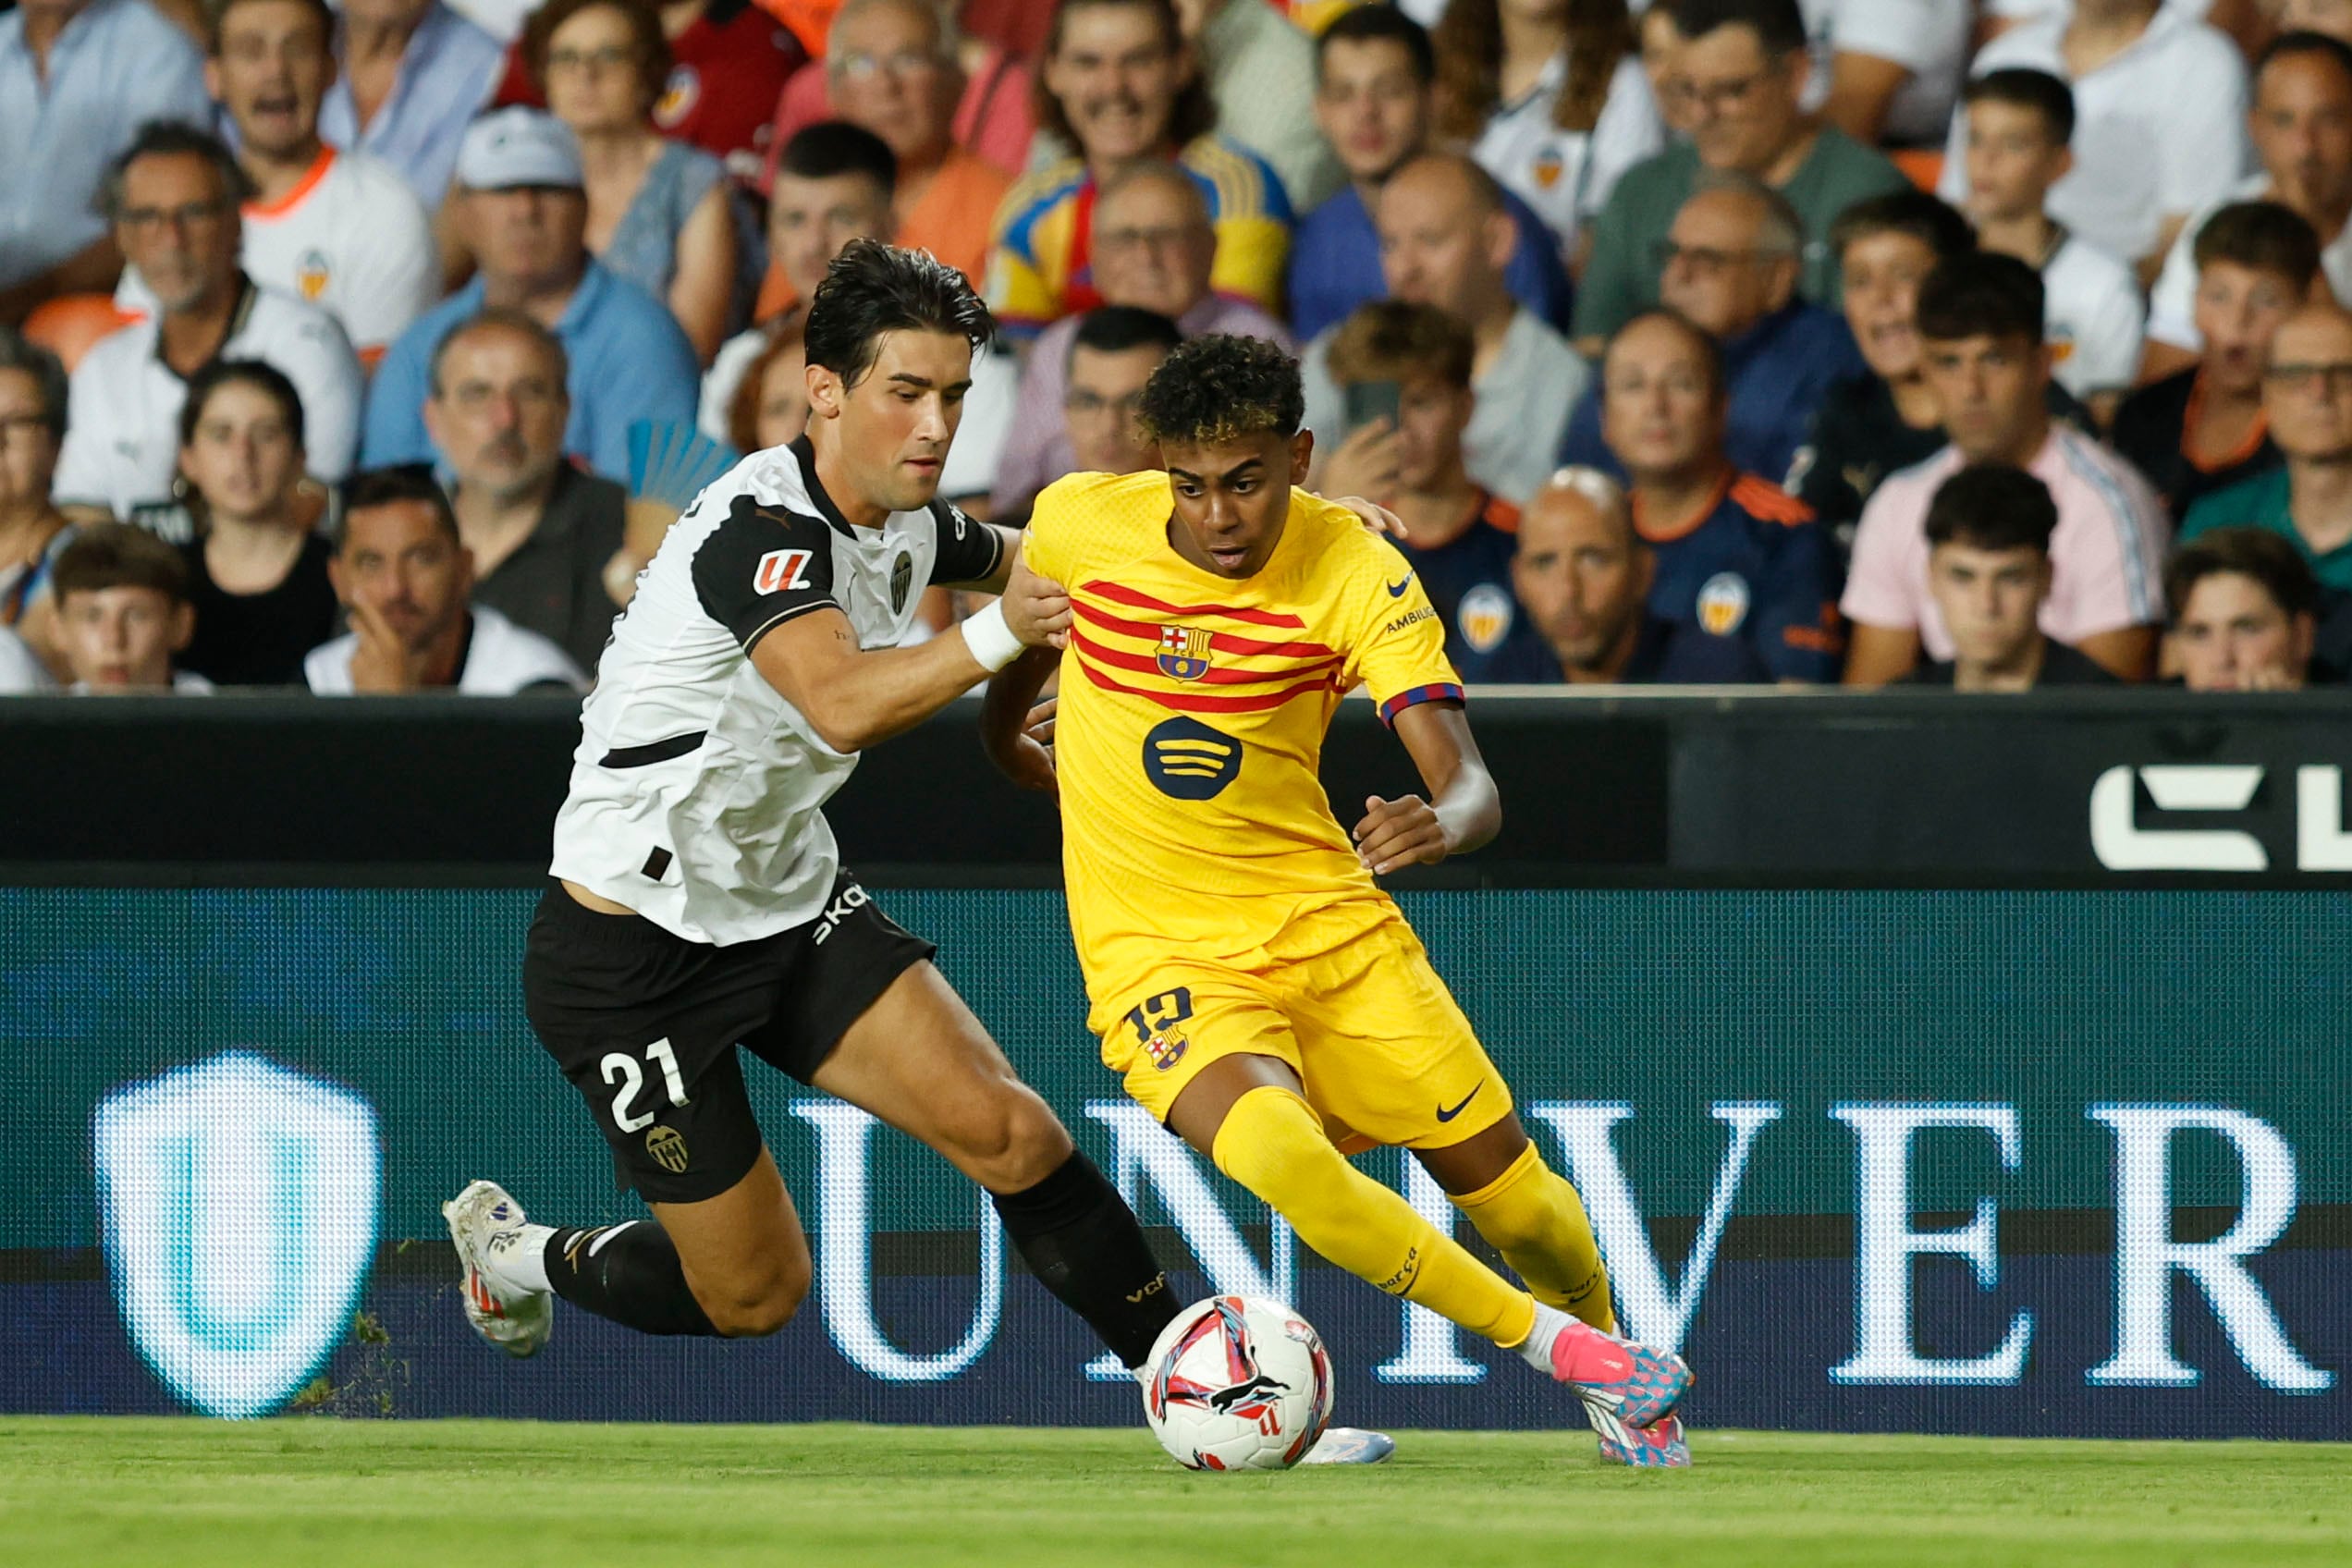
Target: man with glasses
x,y
1730,263
2307,400
173,199
1741,73
1113,356
1154,250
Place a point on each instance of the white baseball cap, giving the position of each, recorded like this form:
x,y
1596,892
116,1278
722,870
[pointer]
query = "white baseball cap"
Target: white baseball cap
x,y
517,147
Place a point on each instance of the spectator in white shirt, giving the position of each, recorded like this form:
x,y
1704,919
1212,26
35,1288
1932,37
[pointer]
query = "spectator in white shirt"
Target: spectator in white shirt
x,y
1887,70
2160,123
123,612
2301,125
173,199
340,229
407,579
2020,122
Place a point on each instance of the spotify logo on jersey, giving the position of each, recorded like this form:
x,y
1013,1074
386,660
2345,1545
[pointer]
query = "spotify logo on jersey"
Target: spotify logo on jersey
x,y
1186,760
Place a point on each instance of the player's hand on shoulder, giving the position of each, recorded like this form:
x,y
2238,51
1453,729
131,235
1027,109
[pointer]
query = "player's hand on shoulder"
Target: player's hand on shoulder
x,y
1036,608
1395,834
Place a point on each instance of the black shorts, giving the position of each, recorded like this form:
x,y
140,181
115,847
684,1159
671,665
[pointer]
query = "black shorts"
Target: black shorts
x,y
646,1024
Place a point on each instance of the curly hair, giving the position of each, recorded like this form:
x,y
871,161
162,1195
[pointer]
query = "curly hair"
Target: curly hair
x,y
1220,389
1468,39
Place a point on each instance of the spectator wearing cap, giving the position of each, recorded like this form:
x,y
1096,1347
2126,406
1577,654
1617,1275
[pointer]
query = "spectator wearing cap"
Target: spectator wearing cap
x,y
540,531
1374,93
523,201
2244,613
340,229
2202,429
1446,237
407,579
413,74
661,213
1743,68
123,614
257,574
1980,329
1154,250
1731,264
2307,401
1988,534
2301,127
33,426
173,199
2160,120
77,79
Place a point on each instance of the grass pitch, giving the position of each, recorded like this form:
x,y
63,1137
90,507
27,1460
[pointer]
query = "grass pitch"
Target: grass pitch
x,y
513,1495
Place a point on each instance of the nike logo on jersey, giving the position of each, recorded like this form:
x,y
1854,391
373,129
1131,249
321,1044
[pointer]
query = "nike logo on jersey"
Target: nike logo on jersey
x,y
1445,1115
1396,590
780,570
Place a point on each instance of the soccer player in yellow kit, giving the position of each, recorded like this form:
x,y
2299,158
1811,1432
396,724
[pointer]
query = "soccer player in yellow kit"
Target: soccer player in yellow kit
x,y
1252,984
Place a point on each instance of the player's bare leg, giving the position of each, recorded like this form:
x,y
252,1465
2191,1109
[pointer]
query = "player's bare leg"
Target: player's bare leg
x,y
1249,1113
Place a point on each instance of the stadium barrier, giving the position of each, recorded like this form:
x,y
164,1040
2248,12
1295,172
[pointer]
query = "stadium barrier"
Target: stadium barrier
x,y
1925,1065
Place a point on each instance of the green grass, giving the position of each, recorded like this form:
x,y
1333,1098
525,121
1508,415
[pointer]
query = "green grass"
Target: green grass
x,y
510,1494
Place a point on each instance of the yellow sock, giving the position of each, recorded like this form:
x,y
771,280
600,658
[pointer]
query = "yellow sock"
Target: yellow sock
x,y
1533,1218
1272,1143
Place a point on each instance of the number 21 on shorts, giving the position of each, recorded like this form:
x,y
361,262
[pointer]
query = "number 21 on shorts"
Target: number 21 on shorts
x,y
619,1067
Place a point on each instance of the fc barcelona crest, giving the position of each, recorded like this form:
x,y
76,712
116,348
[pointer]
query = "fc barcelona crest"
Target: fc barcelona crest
x,y
1183,653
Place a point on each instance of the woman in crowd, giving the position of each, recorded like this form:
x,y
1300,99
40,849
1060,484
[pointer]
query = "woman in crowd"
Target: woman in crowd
x,y
659,213
770,404
257,571
1550,96
32,428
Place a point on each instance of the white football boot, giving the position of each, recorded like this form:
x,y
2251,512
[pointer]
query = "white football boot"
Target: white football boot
x,y
484,1221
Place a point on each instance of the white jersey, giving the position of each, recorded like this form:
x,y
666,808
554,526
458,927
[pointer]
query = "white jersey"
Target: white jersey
x,y
20,669
2092,317
1566,176
500,659
2171,304
697,791
1927,38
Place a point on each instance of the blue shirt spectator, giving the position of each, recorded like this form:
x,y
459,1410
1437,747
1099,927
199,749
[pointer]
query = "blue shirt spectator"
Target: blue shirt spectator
x,y
1468,580
1335,265
77,80
1749,592
447,69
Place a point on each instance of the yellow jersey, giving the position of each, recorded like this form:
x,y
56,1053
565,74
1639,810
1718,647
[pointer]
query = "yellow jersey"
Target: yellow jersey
x,y
1192,711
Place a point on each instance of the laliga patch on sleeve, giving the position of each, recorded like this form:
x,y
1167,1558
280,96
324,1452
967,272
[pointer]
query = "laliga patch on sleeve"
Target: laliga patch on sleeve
x,y
780,570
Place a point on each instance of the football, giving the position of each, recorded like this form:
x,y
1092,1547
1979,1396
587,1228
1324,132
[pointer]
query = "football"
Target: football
x,y
1238,1383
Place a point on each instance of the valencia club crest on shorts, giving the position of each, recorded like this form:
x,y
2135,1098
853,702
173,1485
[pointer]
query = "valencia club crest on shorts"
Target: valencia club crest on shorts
x,y
1183,653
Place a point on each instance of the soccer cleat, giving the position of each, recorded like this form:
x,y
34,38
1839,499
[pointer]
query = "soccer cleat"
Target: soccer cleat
x,y
1661,1446
1351,1445
485,1221
1634,1384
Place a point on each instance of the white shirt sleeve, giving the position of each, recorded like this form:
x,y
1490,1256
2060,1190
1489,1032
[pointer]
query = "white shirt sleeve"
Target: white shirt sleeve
x,y
2205,147
84,475
318,360
396,276
971,468
2171,304
19,669
2101,312
1627,131
723,377
1900,31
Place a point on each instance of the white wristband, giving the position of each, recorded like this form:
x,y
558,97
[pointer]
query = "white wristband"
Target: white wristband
x,y
989,639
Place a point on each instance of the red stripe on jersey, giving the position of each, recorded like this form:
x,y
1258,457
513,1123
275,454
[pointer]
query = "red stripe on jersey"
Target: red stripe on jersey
x,y
1223,642
1186,702
1119,593
1149,664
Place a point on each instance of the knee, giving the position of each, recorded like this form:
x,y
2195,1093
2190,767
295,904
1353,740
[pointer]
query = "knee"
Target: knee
x,y
1011,1139
1271,1142
752,1309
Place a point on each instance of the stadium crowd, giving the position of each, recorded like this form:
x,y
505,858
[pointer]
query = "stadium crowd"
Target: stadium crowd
x,y
1982,346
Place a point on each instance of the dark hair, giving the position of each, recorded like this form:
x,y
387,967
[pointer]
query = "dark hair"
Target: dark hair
x,y
1993,506
1779,25
1114,329
2269,559
509,319
267,378
216,21
1390,341
830,149
646,37
872,288
1193,115
2287,46
787,334
389,487
1981,294
2022,87
1468,44
20,353
170,138
1932,222
1710,352
117,554
2264,235
1220,388
1381,24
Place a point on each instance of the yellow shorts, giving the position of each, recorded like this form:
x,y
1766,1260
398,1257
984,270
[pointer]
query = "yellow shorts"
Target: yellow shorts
x,y
1385,1055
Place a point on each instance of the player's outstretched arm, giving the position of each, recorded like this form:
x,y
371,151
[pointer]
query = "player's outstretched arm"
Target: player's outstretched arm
x,y
854,697
1018,739
1007,551
1468,810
